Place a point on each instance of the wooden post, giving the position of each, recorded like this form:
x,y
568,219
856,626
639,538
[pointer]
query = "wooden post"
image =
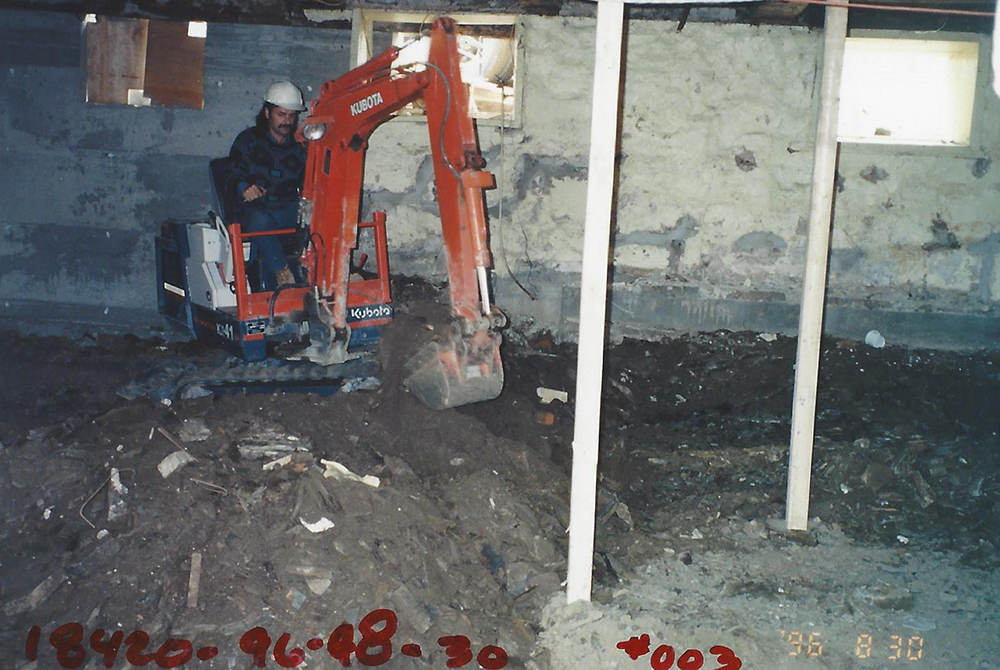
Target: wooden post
x,y
593,297
814,285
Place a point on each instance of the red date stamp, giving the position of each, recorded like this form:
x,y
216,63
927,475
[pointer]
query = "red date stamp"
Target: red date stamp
x,y
663,657
374,648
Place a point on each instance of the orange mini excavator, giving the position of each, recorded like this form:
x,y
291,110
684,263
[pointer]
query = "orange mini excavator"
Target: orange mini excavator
x,y
202,267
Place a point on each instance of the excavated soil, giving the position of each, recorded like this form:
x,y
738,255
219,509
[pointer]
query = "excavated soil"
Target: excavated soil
x,y
465,533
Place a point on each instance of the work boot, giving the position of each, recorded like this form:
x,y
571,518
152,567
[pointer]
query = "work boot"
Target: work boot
x,y
285,277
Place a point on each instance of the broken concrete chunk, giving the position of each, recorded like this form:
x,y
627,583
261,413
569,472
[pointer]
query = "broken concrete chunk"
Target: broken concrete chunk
x,y
174,461
194,430
339,471
885,597
547,395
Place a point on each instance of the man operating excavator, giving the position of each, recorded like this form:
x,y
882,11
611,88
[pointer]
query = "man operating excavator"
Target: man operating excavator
x,y
266,178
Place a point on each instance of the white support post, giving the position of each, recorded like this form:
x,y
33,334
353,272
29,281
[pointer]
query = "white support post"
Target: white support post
x,y
593,297
814,285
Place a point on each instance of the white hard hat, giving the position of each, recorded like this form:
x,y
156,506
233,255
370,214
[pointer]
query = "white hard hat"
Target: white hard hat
x,y
285,94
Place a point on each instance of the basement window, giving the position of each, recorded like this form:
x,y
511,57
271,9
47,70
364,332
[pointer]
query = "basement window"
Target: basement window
x,y
141,62
489,48
908,92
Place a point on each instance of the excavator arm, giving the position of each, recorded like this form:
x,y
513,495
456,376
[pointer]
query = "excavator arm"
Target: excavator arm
x,y
464,366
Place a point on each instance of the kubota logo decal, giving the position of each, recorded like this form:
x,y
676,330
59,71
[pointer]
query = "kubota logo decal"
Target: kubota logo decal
x,y
363,105
368,313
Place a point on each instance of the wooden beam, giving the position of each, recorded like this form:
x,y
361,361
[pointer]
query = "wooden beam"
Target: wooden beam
x,y
593,296
814,285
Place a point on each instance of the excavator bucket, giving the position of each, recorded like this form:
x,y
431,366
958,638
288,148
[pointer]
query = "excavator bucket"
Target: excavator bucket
x,y
458,371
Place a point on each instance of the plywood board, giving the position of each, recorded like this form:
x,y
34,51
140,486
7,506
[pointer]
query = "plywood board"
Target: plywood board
x,y
175,66
116,59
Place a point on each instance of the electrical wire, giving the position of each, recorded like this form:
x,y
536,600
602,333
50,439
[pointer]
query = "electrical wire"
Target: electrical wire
x,y
444,119
503,247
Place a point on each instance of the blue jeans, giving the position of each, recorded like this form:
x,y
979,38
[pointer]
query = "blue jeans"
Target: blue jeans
x,y
268,249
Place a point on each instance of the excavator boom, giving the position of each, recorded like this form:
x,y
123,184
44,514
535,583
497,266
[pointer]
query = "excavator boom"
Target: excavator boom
x,y
464,366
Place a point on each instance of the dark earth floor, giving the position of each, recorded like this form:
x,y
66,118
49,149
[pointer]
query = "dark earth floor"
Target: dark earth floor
x,y
466,532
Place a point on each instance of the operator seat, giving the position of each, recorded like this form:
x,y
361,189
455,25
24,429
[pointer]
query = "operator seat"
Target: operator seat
x,y
223,198
224,202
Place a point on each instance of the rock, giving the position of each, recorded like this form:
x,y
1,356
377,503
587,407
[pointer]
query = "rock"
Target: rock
x,y
194,430
409,609
877,475
885,597
318,586
295,598
516,578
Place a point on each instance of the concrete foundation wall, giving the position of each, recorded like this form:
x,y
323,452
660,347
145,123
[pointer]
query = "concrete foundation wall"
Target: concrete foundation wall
x,y
716,156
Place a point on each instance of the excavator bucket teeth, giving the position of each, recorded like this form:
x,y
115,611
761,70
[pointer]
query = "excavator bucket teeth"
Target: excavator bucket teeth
x,y
448,374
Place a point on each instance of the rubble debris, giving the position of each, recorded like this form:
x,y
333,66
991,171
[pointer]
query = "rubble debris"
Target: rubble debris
x,y
194,580
547,395
298,462
410,609
171,463
116,497
885,597
339,471
37,595
270,443
925,494
914,622
194,430
319,586
295,598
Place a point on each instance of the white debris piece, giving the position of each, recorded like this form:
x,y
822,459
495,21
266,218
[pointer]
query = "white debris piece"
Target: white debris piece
x,y
339,471
279,463
174,461
547,395
874,339
768,337
317,526
116,496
